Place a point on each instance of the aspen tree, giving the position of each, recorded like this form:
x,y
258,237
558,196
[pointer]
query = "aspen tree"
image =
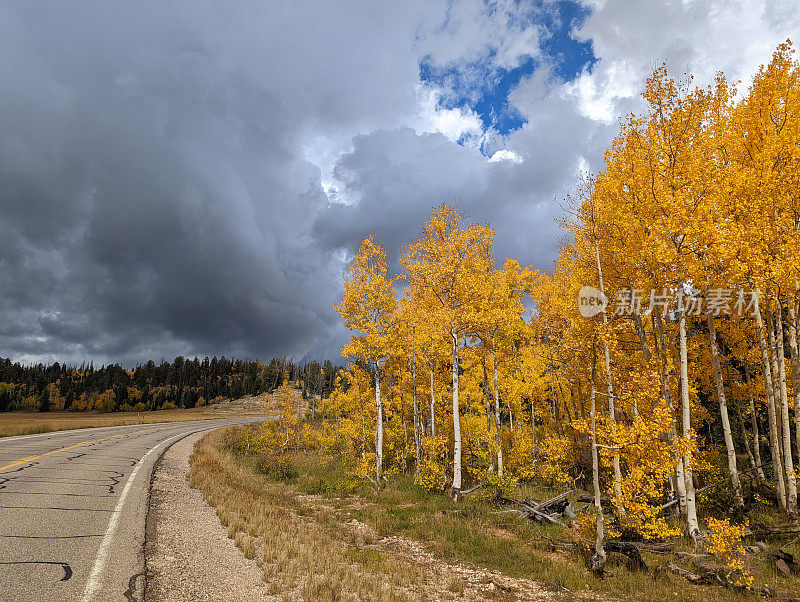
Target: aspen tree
x,y
368,307
599,557
723,410
774,444
447,268
791,481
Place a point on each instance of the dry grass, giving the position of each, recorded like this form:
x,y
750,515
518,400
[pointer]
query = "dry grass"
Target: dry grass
x,y
308,551
300,557
27,423
316,529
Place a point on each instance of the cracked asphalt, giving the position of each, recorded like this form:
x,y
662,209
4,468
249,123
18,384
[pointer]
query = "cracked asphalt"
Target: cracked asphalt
x,y
73,506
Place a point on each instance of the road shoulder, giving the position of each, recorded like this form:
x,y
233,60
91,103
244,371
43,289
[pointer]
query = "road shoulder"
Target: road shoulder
x,y
188,554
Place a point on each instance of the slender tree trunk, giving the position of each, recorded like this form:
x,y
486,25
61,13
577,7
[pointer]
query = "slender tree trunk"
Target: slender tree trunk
x,y
754,425
417,438
487,398
723,411
612,415
666,393
363,434
776,387
637,320
774,445
692,525
795,358
405,427
497,415
456,488
756,441
746,439
791,480
378,427
432,408
599,557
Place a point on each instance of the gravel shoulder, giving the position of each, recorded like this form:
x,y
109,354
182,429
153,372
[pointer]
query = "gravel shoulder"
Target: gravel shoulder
x,y
188,553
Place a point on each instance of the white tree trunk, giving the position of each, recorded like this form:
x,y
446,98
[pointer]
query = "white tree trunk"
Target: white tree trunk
x,y
774,445
791,480
666,394
417,437
432,408
378,427
497,415
692,525
754,425
723,411
599,557
793,350
756,441
456,489
612,415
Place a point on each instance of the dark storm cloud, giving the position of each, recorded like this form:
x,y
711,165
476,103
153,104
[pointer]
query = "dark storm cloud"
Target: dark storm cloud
x,y
397,185
154,195
165,167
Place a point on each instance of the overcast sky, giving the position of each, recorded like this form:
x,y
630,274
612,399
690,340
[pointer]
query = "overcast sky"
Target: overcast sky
x,y
192,177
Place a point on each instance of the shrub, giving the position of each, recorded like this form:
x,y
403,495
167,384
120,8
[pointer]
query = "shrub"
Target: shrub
x,y
139,407
723,539
279,467
168,405
495,487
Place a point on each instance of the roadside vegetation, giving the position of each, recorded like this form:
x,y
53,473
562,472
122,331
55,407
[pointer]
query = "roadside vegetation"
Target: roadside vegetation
x,y
315,546
287,500
652,377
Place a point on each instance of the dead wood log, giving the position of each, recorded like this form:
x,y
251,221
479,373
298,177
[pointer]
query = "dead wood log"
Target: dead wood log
x,y
782,529
532,512
655,547
605,502
709,577
712,578
628,549
555,504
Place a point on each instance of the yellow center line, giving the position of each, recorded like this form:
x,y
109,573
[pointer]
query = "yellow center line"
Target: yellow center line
x,y
55,451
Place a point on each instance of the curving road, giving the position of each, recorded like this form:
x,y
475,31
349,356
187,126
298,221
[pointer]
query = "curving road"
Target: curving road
x,y
73,506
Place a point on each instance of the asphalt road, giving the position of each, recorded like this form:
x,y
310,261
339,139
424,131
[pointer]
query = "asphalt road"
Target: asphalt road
x,y
73,506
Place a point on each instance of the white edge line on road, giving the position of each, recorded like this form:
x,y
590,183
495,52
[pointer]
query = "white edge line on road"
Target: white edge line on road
x,y
101,559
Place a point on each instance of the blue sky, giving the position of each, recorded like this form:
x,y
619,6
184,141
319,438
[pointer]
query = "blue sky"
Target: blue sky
x,y
484,87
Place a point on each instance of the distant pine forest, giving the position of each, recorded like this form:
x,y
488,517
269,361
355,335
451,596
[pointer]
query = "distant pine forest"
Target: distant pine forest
x,y
182,383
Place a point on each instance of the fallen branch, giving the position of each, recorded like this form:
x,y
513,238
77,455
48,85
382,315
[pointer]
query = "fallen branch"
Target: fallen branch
x,y
628,549
552,502
709,486
478,486
605,502
544,516
782,529
709,577
512,511
565,545
532,509
712,578
691,556
643,546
